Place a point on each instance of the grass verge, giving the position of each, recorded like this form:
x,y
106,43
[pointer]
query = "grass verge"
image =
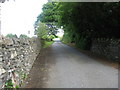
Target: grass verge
x,y
47,44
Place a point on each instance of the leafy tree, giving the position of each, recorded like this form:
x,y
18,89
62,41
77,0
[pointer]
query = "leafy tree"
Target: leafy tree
x,y
11,35
49,14
83,21
23,36
49,17
51,37
41,30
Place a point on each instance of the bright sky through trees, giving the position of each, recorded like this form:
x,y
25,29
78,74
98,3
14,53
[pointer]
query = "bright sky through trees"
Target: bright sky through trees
x,y
18,17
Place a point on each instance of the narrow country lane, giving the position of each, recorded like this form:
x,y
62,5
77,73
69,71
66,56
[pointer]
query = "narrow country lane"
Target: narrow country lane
x,y
62,66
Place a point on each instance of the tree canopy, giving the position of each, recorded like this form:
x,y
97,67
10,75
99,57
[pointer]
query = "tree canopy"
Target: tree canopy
x,y
83,20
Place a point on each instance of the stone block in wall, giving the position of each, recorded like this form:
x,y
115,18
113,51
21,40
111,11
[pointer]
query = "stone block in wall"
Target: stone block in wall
x,y
107,47
0,83
1,58
7,41
19,56
13,54
2,70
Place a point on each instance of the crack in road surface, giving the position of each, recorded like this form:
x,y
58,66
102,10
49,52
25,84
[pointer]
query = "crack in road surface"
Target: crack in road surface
x,y
65,67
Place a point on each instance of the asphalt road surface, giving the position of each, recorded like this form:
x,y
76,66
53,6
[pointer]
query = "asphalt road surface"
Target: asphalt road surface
x,y
69,68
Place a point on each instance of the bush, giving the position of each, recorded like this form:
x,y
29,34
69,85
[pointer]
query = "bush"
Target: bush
x,y
41,30
48,38
11,35
83,43
45,37
23,36
66,38
51,37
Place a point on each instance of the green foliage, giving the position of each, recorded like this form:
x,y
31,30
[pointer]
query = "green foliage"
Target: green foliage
x,y
47,40
49,16
11,35
66,38
17,86
81,43
41,30
47,44
91,19
9,84
42,43
23,36
83,21
51,37
24,76
45,37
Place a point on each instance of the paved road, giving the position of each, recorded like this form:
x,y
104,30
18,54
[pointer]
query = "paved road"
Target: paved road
x,y
70,68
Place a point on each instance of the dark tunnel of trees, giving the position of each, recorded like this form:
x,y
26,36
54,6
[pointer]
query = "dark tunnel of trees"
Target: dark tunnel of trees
x,y
83,21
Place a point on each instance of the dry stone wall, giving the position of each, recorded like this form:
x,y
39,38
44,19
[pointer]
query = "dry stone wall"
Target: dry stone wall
x,y
109,48
16,58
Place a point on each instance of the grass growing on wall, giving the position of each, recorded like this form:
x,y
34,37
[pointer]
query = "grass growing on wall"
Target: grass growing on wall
x,y
9,85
